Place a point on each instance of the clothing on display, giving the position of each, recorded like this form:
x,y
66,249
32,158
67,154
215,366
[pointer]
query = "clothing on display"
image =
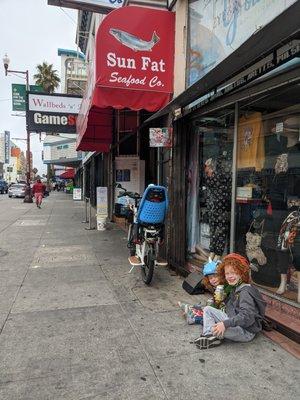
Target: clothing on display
x,y
281,176
251,152
218,184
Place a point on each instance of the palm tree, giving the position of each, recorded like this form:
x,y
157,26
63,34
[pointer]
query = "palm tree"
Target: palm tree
x,y
47,77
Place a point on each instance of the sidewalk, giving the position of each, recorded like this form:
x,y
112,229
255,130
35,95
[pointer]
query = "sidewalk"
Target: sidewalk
x,y
76,325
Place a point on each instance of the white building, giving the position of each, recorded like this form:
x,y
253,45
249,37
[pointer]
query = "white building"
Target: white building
x,y
60,150
73,71
4,151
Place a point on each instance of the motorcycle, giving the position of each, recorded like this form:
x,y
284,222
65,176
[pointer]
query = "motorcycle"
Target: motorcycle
x,y
145,215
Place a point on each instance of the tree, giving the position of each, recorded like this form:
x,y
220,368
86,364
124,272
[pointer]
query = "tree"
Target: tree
x,y
47,77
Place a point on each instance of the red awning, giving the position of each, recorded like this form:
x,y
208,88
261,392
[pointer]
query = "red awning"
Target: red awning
x,y
68,174
95,130
134,59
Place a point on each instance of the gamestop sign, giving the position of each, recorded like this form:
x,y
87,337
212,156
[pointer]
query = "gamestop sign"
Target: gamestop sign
x,y
52,112
135,50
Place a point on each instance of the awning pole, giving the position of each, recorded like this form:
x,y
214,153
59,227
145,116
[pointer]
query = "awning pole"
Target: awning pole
x,y
158,166
234,178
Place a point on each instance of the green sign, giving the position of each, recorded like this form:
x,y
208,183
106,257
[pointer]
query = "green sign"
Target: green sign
x,y
19,95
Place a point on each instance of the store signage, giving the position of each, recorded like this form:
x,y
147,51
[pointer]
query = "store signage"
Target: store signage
x,y
52,112
217,28
136,50
77,193
88,5
160,137
19,95
6,147
101,194
273,60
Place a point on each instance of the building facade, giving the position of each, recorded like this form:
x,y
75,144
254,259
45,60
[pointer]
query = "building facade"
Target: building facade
x,y
236,147
232,173
122,153
59,151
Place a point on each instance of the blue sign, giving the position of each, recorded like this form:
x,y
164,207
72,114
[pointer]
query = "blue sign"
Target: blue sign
x,y
6,147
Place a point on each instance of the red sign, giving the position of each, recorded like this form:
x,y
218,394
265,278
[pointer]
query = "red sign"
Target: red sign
x,y
135,50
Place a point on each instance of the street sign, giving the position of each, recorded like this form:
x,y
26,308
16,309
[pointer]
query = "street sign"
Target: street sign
x,y
19,95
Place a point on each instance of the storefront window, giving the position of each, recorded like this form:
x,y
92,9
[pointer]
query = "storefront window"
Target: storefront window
x,y
268,192
210,146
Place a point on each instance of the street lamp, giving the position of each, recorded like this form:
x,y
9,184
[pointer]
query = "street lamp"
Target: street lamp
x,y
6,61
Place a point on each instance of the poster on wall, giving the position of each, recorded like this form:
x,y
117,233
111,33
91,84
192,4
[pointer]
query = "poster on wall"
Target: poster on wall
x,y
219,27
160,137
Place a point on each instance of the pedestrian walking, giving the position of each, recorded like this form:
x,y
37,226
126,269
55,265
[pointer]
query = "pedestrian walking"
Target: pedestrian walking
x,y
38,190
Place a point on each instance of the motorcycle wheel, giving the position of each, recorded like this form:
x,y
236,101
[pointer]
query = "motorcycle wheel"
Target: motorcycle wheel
x,y
147,270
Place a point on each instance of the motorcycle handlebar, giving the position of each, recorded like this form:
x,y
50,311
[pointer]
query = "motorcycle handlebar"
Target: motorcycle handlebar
x,y
132,195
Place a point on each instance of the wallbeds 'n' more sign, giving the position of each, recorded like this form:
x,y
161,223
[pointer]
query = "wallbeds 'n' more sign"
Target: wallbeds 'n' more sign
x,y
52,112
136,50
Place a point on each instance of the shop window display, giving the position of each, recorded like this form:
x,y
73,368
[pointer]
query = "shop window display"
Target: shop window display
x,y
268,196
209,187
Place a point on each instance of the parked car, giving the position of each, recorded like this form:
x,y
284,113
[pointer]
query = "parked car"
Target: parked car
x,y
3,186
17,190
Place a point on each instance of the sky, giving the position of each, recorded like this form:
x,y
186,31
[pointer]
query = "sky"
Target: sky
x,y
31,31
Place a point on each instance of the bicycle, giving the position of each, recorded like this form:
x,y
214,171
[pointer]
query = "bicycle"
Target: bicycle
x,y
146,228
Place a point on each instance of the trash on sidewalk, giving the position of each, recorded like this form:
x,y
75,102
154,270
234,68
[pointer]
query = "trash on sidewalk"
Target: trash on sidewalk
x,y
192,313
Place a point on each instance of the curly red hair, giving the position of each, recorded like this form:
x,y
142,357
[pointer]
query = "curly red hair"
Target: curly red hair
x,y
208,286
240,265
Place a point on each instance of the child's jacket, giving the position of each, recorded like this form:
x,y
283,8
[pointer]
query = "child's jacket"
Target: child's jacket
x,y
245,307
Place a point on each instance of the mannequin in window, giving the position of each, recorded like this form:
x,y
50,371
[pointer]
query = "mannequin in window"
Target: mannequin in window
x,y
285,199
218,184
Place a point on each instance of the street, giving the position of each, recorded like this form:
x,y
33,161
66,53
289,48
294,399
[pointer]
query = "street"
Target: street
x,y
76,325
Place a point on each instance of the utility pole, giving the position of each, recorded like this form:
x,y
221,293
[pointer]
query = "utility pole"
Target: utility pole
x,y
28,197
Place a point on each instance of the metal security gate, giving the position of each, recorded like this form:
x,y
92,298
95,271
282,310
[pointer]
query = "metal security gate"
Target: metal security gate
x,y
177,193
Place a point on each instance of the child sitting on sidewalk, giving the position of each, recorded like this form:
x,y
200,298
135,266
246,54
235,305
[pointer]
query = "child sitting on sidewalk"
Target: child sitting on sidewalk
x,y
244,307
194,313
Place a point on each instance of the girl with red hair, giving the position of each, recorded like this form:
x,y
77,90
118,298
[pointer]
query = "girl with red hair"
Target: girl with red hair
x,y
244,307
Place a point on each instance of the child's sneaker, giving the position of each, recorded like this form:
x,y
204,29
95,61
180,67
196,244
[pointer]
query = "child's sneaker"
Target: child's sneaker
x,y
205,342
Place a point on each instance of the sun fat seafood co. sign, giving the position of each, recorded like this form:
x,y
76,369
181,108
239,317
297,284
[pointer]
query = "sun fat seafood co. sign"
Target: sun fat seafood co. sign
x,y
135,50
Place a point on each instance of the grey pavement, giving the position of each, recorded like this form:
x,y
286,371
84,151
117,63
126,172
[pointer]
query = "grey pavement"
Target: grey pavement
x,y
74,324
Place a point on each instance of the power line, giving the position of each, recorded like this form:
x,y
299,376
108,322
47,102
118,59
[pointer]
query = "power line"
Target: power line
x,y
68,15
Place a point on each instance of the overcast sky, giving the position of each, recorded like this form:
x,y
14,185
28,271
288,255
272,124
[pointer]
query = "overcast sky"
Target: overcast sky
x,y
30,33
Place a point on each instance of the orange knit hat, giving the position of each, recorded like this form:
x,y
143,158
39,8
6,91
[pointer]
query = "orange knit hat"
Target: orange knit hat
x,y
237,257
